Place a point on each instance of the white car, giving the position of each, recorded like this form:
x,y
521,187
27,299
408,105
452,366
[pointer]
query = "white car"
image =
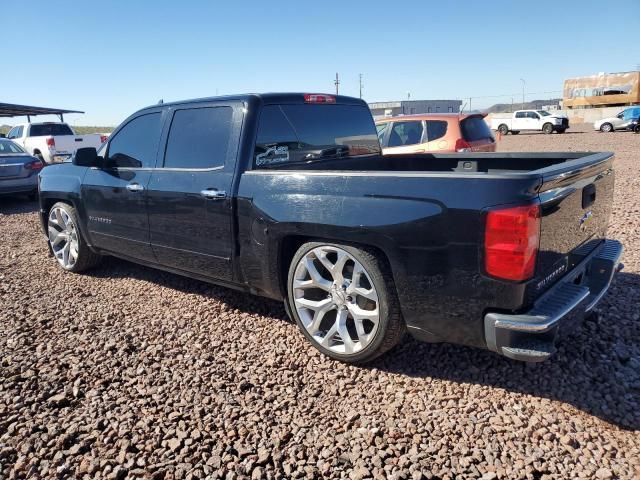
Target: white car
x,y
52,142
538,120
619,122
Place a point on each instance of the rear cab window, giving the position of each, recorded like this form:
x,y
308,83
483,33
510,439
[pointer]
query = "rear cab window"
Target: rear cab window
x,y
474,129
291,133
50,129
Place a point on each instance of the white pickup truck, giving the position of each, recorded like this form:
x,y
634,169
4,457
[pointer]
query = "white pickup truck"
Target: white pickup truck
x,y
52,142
539,120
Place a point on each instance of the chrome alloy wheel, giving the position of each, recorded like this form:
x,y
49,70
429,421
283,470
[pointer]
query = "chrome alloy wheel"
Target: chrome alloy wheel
x,y
63,237
336,300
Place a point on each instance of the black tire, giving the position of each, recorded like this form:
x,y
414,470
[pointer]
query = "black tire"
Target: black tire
x,y
40,157
547,128
606,128
503,129
86,257
636,129
561,130
391,326
515,132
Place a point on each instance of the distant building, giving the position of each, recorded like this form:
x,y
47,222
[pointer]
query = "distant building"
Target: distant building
x,y
411,107
602,90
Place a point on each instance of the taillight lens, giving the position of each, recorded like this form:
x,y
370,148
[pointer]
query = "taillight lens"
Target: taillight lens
x,y
318,98
462,145
51,142
35,165
511,241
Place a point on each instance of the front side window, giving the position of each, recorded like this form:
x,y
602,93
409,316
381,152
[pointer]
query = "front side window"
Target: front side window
x,y
199,138
135,145
12,133
405,133
534,116
297,133
436,129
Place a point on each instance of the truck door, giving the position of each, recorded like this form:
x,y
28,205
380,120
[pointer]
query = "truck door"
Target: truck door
x,y
189,196
114,196
520,121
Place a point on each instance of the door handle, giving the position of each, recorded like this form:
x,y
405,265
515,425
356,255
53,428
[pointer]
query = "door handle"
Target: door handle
x,y
135,187
213,194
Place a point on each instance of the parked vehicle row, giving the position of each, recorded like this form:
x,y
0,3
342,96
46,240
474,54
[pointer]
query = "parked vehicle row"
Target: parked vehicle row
x,y
531,120
18,170
288,196
621,121
52,142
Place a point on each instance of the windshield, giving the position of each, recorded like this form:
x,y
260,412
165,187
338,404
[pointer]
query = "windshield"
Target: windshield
x,y
295,133
7,147
543,113
46,129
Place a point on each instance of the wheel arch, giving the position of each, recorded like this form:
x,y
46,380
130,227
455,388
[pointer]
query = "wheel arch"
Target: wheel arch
x,y
289,245
48,202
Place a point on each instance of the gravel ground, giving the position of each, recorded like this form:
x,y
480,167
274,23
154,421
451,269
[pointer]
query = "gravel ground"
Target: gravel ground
x,y
130,372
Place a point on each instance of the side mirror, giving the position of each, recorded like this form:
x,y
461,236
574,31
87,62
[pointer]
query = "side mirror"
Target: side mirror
x,y
86,157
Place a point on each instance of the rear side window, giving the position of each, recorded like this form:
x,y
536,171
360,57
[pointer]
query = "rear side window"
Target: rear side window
x,y
135,145
475,128
436,129
47,129
521,114
405,133
294,133
199,138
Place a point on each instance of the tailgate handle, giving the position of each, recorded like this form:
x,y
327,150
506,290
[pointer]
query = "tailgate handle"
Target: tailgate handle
x,y
588,195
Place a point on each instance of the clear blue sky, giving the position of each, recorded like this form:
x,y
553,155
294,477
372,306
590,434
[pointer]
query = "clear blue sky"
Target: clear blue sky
x,y
110,58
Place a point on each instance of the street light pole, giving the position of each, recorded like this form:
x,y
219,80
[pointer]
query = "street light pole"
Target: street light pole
x,y
523,84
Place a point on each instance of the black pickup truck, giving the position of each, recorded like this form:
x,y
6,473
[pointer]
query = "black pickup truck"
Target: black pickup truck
x,y
288,196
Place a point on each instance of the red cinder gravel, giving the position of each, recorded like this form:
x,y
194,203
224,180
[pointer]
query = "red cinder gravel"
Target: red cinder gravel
x,y
129,372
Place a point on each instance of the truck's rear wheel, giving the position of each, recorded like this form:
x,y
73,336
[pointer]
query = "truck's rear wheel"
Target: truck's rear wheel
x,y
344,301
547,128
68,247
503,129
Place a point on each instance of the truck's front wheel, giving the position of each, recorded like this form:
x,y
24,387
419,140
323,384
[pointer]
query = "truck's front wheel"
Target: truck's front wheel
x,y
67,244
547,128
343,299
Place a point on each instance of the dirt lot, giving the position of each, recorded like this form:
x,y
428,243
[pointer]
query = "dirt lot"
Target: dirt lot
x,y
131,372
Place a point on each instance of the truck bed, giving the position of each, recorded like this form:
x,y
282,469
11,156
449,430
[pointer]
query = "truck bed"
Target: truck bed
x,y
542,163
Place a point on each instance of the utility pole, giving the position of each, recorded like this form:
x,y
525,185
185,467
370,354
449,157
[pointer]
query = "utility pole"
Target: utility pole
x,y
337,83
360,85
523,84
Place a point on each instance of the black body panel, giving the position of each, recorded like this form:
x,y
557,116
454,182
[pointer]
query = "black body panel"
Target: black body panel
x,y
425,214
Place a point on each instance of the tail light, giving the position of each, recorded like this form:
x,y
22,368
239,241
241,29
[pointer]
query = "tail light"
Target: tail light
x,y
103,138
35,165
317,98
511,241
462,145
51,143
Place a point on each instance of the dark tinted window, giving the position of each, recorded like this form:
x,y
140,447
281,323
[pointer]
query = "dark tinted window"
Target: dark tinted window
x,y
381,128
436,129
47,129
405,133
475,128
136,144
199,138
292,133
7,147
521,114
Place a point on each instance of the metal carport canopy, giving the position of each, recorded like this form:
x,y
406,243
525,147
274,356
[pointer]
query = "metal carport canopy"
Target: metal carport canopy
x,y
11,110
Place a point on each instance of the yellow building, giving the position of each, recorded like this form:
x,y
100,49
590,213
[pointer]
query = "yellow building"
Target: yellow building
x,y
603,90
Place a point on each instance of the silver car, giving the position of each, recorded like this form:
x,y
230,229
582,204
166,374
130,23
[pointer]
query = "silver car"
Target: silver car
x,y
18,170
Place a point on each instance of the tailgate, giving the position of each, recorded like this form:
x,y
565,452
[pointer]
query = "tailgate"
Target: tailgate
x,y
70,143
576,199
